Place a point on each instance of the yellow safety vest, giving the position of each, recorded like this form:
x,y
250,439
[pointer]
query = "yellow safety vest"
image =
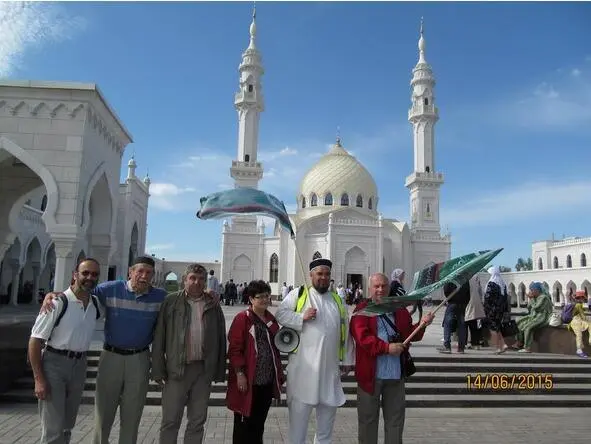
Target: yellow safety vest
x,y
303,297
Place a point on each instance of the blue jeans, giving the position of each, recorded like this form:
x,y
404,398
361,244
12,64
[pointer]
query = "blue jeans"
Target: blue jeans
x,y
454,314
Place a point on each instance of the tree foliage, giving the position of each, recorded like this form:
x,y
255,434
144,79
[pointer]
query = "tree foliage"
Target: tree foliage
x,y
524,264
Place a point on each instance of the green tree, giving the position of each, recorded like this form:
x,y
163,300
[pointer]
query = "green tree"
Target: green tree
x,y
504,269
524,264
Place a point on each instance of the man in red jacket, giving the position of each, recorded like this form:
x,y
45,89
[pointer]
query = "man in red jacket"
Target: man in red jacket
x,y
378,369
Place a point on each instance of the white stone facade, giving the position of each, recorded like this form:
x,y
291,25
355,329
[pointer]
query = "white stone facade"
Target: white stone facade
x,y
60,198
337,213
563,266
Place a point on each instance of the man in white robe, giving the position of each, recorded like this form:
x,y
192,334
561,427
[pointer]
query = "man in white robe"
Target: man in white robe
x,y
314,371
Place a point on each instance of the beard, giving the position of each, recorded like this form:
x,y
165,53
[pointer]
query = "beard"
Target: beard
x,y
320,289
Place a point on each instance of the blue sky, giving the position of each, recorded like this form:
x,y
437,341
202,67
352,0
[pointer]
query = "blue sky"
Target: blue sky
x,y
513,91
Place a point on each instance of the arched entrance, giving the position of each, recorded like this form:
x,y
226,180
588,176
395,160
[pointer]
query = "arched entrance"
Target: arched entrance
x,y
356,268
242,270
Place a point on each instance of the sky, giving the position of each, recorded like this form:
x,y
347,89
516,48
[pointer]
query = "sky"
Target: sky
x,y
513,92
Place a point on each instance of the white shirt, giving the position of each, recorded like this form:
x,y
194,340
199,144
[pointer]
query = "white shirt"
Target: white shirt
x,y
313,374
75,329
284,291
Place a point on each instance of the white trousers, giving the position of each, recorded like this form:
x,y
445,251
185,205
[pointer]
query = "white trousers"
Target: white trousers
x,y
299,418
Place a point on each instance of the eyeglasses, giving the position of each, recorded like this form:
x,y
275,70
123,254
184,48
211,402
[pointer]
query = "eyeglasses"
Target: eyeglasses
x,y
262,296
89,273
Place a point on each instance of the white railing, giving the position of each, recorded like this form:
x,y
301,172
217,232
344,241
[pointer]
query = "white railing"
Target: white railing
x,y
580,240
250,164
32,215
365,223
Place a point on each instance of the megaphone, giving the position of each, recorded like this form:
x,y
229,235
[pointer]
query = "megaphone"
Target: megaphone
x,y
287,340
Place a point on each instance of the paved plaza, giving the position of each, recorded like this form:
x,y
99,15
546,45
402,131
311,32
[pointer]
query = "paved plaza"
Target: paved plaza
x,y
19,423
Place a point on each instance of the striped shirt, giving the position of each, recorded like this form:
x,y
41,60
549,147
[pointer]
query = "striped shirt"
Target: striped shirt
x,y
388,366
195,332
130,319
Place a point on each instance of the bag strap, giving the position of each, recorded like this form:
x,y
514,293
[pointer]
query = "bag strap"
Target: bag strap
x,y
64,300
95,303
391,324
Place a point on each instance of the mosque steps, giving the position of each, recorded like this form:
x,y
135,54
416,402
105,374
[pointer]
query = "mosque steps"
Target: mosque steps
x,y
440,381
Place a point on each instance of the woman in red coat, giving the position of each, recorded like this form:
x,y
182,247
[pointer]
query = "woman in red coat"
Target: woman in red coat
x,y
256,374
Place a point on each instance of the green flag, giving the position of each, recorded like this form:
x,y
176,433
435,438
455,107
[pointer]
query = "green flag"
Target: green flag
x,y
458,271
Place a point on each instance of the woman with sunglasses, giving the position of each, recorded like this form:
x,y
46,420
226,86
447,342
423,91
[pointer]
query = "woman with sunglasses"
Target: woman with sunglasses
x,y
256,374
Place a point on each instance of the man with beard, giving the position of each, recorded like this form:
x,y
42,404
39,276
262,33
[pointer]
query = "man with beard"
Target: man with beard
x,y
131,311
313,373
60,369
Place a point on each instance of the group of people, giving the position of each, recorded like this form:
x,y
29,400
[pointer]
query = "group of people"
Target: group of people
x,y
179,340
469,310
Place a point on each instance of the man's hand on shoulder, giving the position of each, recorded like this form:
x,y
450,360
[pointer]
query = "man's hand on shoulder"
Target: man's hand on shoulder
x,y
47,305
213,296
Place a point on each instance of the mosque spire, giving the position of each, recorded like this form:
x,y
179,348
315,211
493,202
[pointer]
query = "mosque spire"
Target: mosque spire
x,y
422,44
253,27
338,142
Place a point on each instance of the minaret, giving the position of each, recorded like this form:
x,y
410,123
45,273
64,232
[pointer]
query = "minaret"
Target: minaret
x,y
424,182
248,101
131,166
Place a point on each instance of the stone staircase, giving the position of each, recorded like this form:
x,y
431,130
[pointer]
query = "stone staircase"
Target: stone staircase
x,y
440,381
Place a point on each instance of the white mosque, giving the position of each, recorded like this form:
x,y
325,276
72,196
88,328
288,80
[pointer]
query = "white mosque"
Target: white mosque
x,y
61,146
337,213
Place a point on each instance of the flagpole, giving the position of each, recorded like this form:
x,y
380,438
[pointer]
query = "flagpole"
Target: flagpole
x,y
306,277
422,324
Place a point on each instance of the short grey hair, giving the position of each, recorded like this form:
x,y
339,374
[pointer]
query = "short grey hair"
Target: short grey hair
x,y
379,276
194,268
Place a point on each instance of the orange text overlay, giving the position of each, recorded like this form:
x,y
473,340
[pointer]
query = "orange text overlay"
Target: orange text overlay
x,y
510,381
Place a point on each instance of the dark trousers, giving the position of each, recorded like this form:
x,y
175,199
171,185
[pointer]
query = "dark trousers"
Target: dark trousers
x,y
418,306
475,333
250,430
454,315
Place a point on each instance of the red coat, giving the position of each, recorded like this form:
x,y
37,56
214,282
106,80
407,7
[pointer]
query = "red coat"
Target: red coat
x,y
368,346
242,354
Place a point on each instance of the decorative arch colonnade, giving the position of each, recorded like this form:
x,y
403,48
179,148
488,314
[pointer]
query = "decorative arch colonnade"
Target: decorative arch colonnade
x,y
60,157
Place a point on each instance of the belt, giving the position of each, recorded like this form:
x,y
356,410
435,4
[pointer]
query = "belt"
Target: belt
x,y
67,353
125,351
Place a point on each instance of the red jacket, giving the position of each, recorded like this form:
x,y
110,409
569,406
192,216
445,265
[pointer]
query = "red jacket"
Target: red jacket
x,y
368,346
242,354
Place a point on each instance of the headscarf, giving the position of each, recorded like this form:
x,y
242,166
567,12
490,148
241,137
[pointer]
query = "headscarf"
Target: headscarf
x,y
536,286
495,276
396,274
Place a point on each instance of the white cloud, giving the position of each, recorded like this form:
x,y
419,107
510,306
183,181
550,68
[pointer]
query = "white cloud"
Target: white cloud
x,y
168,189
562,103
159,247
162,195
26,25
519,203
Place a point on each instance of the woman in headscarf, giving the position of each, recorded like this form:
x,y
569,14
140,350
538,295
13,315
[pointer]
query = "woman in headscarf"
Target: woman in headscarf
x,y
397,289
539,309
496,307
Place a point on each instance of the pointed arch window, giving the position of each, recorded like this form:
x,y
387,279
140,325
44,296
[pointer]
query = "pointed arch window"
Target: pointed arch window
x,y
345,200
555,262
274,268
359,201
583,260
314,200
316,255
540,264
328,199
303,201
370,203
44,202
569,262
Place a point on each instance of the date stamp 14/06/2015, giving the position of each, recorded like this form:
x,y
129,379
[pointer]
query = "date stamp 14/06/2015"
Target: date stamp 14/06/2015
x,y
510,381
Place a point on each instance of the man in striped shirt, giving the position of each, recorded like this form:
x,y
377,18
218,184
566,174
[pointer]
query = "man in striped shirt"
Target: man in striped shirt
x,y
131,311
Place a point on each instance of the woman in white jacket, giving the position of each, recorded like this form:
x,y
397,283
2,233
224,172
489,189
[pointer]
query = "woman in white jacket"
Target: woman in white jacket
x,y
475,312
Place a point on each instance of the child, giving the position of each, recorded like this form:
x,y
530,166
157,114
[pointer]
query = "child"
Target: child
x,y
580,323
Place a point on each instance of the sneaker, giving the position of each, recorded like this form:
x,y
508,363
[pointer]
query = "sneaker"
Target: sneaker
x,y
460,350
523,350
469,346
582,354
444,350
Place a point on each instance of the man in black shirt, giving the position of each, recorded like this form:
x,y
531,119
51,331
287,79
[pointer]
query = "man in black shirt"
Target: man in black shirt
x,y
454,315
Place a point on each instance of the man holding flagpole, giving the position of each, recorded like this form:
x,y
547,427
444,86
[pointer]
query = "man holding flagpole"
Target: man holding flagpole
x,y
325,352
